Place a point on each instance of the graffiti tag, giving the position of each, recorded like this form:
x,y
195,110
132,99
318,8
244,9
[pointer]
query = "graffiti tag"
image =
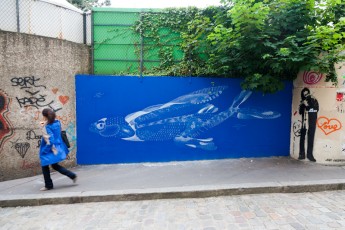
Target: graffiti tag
x,y
31,135
35,98
36,102
328,125
26,82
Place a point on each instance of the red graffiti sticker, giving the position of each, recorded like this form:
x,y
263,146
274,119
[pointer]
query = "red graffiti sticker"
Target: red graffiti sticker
x,y
340,96
328,125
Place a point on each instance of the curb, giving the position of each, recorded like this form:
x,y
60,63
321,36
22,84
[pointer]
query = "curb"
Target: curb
x,y
169,193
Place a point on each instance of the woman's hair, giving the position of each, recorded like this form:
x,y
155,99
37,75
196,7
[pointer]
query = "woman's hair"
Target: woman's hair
x,y
49,114
302,93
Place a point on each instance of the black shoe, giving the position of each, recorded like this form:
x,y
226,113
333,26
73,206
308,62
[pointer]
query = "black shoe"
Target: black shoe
x,y
311,158
301,157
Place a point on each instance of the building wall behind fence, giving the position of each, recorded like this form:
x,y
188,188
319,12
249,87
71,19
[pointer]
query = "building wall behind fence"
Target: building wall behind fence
x,y
158,119
36,72
45,18
317,129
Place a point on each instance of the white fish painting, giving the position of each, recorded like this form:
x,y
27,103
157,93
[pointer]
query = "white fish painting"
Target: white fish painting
x,y
181,120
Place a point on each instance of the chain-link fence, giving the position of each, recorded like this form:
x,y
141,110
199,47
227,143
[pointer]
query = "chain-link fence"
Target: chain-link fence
x,y
120,50
50,18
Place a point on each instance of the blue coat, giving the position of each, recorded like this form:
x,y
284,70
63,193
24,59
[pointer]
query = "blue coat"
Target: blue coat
x,y
53,144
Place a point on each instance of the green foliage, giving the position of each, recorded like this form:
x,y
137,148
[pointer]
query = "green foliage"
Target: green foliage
x,y
271,41
88,4
263,41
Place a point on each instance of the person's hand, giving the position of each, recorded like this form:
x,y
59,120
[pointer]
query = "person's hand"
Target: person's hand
x,y
302,108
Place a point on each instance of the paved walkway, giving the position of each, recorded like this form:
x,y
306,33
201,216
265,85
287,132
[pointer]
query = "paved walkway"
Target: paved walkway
x,y
193,179
283,211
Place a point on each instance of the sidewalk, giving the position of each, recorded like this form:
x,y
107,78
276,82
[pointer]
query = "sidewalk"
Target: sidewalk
x,y
192,179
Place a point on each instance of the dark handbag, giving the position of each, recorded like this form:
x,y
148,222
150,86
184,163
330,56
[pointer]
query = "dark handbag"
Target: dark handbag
x,y
65,139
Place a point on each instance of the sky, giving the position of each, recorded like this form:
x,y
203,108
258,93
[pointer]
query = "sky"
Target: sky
x,y
162,3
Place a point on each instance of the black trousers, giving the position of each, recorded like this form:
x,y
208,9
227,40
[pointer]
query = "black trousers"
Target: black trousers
x,y
46,174
312,118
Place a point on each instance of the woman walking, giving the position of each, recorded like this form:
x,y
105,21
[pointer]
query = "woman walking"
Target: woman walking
x,y
52,149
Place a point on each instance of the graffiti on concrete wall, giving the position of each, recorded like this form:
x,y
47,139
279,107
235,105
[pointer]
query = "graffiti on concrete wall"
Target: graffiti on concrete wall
x,y
62,98
311,77
35,166
307,121
327,125
21,147
308,110
297,125
31,135
340,108
34,97
340,95
70,130
6,128
331,148
31,95
340,99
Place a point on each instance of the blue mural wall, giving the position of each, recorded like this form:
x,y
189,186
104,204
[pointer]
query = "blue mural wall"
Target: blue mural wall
x,y
123,119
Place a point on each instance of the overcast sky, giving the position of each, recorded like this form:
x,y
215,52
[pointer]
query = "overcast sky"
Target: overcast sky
x,y
162,3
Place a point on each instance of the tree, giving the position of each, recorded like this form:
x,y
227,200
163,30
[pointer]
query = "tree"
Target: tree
x,y
88,4
270,41
265,42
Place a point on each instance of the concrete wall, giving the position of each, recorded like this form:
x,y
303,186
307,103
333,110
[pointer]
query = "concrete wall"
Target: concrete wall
x,y
323,118
36,72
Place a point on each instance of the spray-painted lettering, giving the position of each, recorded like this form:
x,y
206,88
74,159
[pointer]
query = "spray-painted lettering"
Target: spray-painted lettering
x,y
31,135
328,125
36,102
35,98
26,82
29,165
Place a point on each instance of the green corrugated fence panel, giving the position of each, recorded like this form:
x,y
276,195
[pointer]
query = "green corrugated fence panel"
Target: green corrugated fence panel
x,y
166,36
124,18
127,52
115,35
116,67
115,43
117,47
153,52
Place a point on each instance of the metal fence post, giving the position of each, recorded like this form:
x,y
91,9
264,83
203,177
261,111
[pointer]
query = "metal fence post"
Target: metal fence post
x,y
84,28
141,48
92,44
17,12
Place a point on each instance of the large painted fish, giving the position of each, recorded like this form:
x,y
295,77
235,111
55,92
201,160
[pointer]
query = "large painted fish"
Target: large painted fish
x,y
182,120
